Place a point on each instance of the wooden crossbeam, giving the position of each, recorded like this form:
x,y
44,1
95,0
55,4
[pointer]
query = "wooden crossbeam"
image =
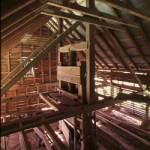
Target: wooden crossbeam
x,y
89,12
19,7
125,7
24,14
67,112
81,46
86,19
11,127
48,102
33,59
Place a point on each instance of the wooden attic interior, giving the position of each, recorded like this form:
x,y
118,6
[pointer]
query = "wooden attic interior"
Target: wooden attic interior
x,y
75,74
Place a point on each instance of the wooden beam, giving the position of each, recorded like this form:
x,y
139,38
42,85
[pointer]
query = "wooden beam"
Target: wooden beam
x,y
86,19
76,30
90,62
71,70
64,27
19,7
125,7
30,122
81,46
48,102
89,12
57,142
23,14
33,59
89,139
51,117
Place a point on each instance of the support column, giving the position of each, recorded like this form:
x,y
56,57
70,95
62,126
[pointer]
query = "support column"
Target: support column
x,y
60,28
89,139
90,59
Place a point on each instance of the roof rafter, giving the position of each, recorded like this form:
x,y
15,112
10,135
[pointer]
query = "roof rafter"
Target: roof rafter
x,y
132,38
111,48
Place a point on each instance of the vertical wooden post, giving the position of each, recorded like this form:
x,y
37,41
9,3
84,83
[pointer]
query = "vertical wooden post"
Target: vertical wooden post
x,y
90,59
60,27
89,141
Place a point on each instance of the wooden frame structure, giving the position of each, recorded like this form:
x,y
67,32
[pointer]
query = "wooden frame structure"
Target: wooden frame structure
x,y
90,44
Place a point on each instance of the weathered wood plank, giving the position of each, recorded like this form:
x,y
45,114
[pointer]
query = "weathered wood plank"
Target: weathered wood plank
x,y
70,70
82,46
48,102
